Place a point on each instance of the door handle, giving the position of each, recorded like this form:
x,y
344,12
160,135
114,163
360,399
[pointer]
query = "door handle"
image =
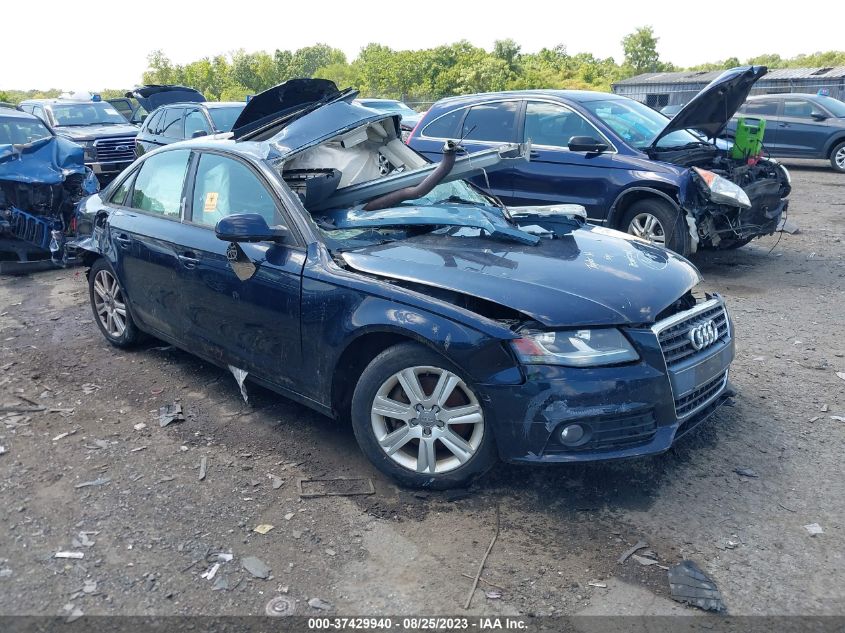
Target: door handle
x,y
188,259
123,239
783,125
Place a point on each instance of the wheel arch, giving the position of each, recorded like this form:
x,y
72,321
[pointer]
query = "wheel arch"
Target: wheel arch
x,y
832,143
631,195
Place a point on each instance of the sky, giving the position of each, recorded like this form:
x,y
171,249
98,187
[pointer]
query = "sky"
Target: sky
x,y
112,40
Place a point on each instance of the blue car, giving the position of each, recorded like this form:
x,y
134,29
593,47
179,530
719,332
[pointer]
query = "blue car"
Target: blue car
x,y
631,167
318,255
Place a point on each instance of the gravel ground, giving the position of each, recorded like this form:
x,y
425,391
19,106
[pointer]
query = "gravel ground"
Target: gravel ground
x,y
149,529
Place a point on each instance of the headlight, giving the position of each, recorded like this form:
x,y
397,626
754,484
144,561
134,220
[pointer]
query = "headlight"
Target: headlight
x,y
574,348
722,190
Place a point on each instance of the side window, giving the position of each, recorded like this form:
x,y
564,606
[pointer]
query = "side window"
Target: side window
x,y
39,112
550,124
171,124
195,122
153,121
224,186
491,122
119,195
26,108
445,126
158,186
760,108
797,108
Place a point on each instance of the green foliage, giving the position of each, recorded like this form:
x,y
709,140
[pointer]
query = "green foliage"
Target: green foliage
x,y
640,49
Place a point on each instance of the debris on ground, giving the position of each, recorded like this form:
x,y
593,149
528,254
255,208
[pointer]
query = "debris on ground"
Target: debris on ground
x,y
630,552
263,528
483,560
596,583
813,529
99,481
275,481
210,572
89,586
203,468
841,374
5,573
330,551
494,595
140,426
642,560
279,606
788,226
83,541
838,418
73,612
170,413
2,449
223,557
688,584
319,603
746,472
61,436
256,567
89,388
240,376
220,584
76,555
335,487
289,516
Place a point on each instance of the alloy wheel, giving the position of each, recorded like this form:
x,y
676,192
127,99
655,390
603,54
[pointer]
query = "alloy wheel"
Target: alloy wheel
x,y
427,419
109,304
839,158
648,227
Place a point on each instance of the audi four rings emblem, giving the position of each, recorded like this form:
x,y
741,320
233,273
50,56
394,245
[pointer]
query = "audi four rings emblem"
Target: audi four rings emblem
x,y
703,335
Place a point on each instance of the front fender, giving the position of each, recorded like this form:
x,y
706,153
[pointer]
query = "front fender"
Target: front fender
x,y
639,190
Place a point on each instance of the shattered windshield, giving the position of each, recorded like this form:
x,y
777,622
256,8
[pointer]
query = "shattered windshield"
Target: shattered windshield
x,y
638,124
94,113
19,131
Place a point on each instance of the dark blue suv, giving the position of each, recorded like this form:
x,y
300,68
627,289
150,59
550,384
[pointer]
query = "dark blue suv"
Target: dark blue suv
x,y
632,168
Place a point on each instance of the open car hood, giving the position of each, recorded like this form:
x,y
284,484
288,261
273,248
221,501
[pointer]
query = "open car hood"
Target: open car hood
x,y
712,108
269,112
582,278
154,95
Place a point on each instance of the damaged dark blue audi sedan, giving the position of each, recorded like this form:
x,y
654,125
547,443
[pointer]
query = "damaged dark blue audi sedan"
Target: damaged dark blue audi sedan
x,y
333,264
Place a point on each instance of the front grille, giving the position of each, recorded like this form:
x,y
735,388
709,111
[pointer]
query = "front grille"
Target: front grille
x,y
688,404
674,339
115,150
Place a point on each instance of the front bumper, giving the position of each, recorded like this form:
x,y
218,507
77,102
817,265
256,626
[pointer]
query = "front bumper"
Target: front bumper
x,y
629,411
108,169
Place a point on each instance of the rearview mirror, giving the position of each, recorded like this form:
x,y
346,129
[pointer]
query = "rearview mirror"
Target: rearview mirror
x,y
818,116
249,227
586,144
198,133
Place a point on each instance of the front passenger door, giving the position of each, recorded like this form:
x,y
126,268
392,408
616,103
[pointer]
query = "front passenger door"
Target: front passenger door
x,y
252,324
799,134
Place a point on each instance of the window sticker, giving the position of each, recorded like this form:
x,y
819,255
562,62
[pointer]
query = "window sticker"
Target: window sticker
x,y
210,205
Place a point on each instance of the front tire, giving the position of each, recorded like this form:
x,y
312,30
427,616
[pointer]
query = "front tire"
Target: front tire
x,y
837,158
420,421
659,222
109,305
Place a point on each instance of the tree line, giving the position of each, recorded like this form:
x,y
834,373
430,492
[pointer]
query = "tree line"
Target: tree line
x,y
423,76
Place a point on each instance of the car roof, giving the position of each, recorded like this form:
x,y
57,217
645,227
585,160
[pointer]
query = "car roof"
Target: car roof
x,y
221,142
203,104
784,95
577,96
17,114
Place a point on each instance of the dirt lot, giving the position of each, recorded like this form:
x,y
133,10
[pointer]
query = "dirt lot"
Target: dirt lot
x,y
152,528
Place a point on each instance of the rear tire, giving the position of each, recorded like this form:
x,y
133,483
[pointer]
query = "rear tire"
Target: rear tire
x,y
110,307
438,435
837,158
659,222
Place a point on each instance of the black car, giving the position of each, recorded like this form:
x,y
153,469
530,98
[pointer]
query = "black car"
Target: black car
x,y
316,254
799,126
136,104
178,121
670,181
107,138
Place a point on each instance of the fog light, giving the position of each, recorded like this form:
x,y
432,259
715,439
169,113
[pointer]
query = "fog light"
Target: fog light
x,y
572,434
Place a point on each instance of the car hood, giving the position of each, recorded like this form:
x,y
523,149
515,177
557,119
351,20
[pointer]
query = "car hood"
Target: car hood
x,y
91,132
712,108
590,276
47,161
153,96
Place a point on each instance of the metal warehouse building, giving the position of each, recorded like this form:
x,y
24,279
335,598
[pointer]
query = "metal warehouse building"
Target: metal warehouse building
x,y
662,89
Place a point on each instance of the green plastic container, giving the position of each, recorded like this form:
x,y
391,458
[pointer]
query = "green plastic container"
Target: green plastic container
x,y
748,142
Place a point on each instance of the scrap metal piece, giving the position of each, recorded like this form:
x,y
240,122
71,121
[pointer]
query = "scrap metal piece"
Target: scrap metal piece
x,y
630,552
240,376
690,585
256,567
100,481
203,468
369,490
170,413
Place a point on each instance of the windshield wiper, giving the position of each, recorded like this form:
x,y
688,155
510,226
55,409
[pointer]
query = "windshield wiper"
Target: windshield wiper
x,y
689,145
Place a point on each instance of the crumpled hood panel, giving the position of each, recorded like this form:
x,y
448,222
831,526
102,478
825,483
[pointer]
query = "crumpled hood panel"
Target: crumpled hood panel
x,y
47,161
591,276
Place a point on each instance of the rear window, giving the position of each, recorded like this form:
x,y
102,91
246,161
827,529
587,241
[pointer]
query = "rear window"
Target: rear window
x,y
491,122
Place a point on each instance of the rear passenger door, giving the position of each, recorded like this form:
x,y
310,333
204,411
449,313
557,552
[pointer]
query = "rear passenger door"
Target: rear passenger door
x,y
482,126
254,323
555,174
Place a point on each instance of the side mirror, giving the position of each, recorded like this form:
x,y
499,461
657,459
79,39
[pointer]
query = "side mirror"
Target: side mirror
x,y
587,144
199,133
817,115
249,227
